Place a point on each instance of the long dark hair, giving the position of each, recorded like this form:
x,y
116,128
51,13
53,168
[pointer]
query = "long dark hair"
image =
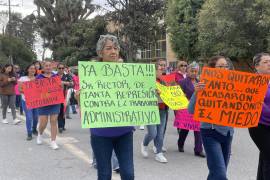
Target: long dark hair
x,y
26,69
12,70
40,66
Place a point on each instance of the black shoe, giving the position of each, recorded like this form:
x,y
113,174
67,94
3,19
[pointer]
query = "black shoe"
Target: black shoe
x,y
29,137
75,112
34,131
117,171
180,148
64,129
60,130
200,154
68,117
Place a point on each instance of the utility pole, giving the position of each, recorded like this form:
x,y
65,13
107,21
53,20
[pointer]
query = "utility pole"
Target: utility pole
x,y
9,21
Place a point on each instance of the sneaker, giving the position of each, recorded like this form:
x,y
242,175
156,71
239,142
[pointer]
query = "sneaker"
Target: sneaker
x,y
68,117
155,149
144,151
4,121
29,137
164,149
141,127
160,158
54,146
9,110
39,139
16,121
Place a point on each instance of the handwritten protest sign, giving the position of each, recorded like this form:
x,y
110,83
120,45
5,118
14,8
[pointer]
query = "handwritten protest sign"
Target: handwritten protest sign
x,y
184,120
117,94
231,98
43,92
173,96
169,79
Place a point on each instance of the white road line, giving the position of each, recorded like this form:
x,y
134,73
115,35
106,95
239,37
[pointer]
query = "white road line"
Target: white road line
x,y
66,142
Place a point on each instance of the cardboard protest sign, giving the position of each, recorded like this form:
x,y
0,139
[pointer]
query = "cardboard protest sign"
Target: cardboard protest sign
x,y
43,92
173,96
117,94
184,120
231,98
169,79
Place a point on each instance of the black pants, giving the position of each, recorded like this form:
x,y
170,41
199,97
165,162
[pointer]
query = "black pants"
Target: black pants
x,y
261,137
61,117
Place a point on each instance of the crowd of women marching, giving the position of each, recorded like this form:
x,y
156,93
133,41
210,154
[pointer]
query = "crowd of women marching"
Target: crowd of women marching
x,y
115,145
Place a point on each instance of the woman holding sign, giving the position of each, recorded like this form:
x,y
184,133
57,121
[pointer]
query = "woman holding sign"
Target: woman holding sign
x,y
47,112
156,132
261,134
31,114
187,86
216,139
119,139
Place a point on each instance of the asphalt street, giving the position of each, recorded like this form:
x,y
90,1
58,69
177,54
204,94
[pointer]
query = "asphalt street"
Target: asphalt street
x,y
25,160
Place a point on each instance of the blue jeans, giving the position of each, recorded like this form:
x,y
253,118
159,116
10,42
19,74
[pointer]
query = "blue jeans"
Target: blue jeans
x,y
156,132
114,161
73,107
31,118
123,147
218,149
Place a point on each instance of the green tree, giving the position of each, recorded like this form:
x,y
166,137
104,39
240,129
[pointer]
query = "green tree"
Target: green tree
x,y
182,27
15,47
82,40
59,16
236,28
137,22
22,28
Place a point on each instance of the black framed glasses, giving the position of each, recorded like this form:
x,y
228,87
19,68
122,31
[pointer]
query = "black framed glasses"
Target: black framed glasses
x,y
223,67
183,65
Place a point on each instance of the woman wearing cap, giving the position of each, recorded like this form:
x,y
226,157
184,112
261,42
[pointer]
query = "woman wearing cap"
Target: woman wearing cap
x,y
261,134
187,86
216,139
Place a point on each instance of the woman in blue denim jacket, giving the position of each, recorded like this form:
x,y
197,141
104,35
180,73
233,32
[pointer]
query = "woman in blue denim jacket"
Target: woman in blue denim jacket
x,y
216,139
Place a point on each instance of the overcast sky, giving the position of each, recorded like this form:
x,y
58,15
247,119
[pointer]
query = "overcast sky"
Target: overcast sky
x,y
27,6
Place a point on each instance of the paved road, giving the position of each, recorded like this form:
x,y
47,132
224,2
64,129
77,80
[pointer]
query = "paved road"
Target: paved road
x,y
23,160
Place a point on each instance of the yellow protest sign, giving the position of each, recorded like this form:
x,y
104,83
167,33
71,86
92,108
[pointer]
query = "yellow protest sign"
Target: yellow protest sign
x,y
173,96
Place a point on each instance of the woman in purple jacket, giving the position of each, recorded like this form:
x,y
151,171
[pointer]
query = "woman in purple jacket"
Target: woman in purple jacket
x,y
119,139
187,86
261,134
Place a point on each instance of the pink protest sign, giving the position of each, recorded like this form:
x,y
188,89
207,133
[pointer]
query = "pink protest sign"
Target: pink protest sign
x,y
184,120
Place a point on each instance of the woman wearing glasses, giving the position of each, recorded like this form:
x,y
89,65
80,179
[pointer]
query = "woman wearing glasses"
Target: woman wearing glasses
x,y
66,83
216,139
181,72
261,134
187,85
156,132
